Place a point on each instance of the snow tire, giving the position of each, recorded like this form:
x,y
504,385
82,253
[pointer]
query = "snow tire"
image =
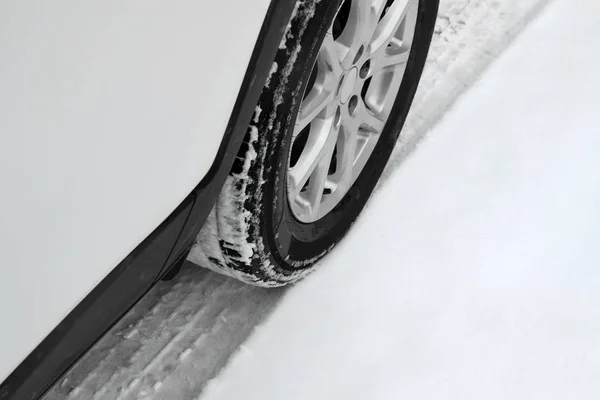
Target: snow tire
x,y
251,233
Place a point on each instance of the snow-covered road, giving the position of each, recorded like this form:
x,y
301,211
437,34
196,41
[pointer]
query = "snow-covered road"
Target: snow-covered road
x,y
183,332
475,271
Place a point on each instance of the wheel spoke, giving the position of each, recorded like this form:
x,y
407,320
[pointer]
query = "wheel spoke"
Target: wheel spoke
x,y
318,146
371,21
318,178
329,57
389,25
359,29
348,151
383,60
370,122
322,93
315,103
388,101
379,98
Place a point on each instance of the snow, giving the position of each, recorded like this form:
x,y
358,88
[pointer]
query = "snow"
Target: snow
x,y
468,37
474,272
273,70
212,315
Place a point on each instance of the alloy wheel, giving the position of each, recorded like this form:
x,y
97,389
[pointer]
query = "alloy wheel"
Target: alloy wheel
x,y
352,88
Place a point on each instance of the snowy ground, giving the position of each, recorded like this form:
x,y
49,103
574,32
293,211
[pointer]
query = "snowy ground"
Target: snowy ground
x,y
474,273
183,332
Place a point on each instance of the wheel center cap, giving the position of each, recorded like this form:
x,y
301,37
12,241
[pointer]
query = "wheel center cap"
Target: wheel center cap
x,y
347,86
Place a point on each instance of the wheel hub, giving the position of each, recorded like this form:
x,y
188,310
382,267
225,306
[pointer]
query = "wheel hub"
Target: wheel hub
x,y
358,76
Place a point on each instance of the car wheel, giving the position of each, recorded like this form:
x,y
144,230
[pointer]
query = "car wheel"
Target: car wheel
x,y
325,125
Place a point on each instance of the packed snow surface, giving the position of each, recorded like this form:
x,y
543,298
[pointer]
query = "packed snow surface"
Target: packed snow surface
x,y
475,272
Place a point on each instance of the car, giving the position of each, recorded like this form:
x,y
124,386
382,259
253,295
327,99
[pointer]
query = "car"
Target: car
x,y
243,136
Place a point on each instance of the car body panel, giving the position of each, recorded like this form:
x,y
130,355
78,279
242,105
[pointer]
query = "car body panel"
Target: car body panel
x,y
110,114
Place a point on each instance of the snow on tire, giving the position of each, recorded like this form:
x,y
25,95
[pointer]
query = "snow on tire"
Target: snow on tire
x,y
252,233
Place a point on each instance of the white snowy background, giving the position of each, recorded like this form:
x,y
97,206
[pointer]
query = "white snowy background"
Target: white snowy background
x,y
473,274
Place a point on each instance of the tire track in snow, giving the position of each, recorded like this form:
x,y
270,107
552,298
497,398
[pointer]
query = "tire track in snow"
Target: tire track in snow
x,y
469,35
186,328
183,332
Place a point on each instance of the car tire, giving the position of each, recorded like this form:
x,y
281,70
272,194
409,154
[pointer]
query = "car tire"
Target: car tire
x,y
262,230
